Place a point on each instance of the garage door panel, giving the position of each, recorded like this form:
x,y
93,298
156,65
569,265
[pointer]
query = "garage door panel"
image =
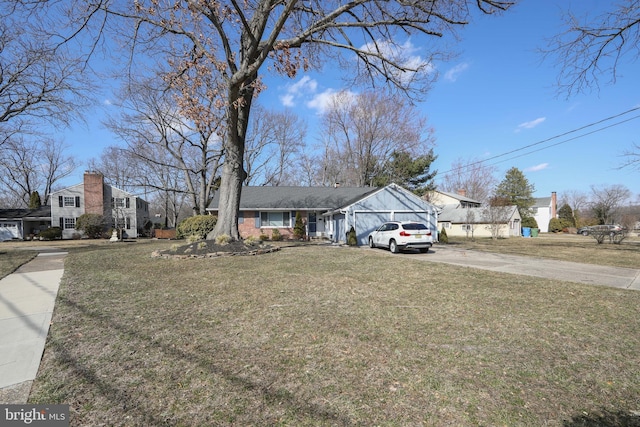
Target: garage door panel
x,y
366,222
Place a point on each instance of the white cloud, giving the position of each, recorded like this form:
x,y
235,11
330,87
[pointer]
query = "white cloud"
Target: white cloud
x,y
404,54
537,168
531,124
287,100
453,74
107,102
321,101
302,88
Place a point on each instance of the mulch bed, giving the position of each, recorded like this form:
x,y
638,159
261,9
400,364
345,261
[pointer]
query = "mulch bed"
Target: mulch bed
x,y
211,249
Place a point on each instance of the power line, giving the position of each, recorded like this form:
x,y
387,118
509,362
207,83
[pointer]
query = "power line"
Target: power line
x,y
554,137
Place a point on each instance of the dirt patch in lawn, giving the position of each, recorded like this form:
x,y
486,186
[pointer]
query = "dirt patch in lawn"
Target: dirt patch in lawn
x,y
211,249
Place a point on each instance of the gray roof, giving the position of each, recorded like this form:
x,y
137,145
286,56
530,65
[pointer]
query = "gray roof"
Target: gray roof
x,y
292,198
542,202
41,212
459,197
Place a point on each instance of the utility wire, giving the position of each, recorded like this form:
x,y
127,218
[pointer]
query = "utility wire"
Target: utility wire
x,y
552,138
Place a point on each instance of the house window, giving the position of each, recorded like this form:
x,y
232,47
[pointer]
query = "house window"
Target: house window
x,y
118,202
446,225
122,223
467,227
69,202
69,223
275,219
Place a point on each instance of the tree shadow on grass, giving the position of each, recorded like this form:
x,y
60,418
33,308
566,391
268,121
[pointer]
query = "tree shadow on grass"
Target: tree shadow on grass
x,y
605,419
130,403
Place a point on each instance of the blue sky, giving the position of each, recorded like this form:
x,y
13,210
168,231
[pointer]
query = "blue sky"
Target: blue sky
x,y
496,96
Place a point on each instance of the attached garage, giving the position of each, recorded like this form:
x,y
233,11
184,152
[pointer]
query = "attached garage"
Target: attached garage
x,y
10,230
391,203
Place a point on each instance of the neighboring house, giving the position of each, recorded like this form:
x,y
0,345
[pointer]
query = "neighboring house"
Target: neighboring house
x,y
444,198
120,208
543,210
328,212
23,223
460,215
478,222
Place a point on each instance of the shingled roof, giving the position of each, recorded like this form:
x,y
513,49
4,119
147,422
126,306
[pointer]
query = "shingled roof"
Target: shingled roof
x,y
296,198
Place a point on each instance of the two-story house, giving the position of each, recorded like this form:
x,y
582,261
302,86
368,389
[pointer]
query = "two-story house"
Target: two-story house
x,y
120,208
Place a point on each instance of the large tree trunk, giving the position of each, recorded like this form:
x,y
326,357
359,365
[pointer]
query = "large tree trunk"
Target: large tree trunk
x,y
233,173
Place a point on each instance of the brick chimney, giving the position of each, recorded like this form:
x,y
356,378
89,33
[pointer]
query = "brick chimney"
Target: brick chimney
x,y
93,193
462,192
554,204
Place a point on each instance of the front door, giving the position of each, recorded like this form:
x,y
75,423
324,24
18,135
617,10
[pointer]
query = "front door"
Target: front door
x,y
312,223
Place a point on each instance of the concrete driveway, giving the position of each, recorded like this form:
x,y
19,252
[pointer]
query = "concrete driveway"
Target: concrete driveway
x,y
617,277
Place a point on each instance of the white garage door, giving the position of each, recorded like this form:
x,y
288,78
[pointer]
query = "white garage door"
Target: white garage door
x,y
8,231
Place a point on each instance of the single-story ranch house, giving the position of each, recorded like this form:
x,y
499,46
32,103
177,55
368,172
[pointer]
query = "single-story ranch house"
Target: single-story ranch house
x,y
328,212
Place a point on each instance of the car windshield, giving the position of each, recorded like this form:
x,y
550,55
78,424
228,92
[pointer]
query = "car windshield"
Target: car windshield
x,y
414,226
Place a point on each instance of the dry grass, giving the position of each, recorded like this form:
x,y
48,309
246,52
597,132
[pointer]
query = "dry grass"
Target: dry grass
x,y
333,336
10,260
563,247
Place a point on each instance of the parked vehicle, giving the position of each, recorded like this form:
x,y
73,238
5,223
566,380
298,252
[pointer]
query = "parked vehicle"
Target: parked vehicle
x,y
609,228
398,236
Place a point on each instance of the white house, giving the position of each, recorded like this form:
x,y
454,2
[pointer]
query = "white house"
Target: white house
x,y
544,209
120,208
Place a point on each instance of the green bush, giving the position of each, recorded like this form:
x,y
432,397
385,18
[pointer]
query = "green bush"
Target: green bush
x,y
529,221
92,225
443,238
556,225
298,230
51,233
199,225
352,239
275,235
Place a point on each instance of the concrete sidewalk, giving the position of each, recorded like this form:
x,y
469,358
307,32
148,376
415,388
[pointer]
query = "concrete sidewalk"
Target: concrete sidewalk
x,y
27,299
617,277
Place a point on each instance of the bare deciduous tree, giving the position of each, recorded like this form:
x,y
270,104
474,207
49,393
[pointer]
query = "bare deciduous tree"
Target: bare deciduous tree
x,y
363,131
607,200
476,178
149,120
593,47
236,42
496,213
274,141
29,165
39,78
578,201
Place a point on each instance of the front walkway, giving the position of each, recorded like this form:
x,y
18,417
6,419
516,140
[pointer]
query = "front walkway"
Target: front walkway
x,y
27,299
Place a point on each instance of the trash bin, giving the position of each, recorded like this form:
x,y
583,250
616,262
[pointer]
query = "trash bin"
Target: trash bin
x,y
526,231
534,232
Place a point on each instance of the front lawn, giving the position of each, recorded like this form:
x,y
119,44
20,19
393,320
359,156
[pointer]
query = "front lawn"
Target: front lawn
x,y
11,260
333,336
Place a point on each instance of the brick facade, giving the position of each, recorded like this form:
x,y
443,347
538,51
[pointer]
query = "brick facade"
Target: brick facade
x,y
94,193
248,228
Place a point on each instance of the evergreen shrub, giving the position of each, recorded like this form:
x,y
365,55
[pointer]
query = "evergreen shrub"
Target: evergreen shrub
x,y
199,225
443,238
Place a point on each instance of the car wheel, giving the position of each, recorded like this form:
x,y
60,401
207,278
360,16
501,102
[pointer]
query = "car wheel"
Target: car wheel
x,y
424,250
371,244
585,233
393,246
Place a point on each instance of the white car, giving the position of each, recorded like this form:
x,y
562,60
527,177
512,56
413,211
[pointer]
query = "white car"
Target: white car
x,y
398,236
